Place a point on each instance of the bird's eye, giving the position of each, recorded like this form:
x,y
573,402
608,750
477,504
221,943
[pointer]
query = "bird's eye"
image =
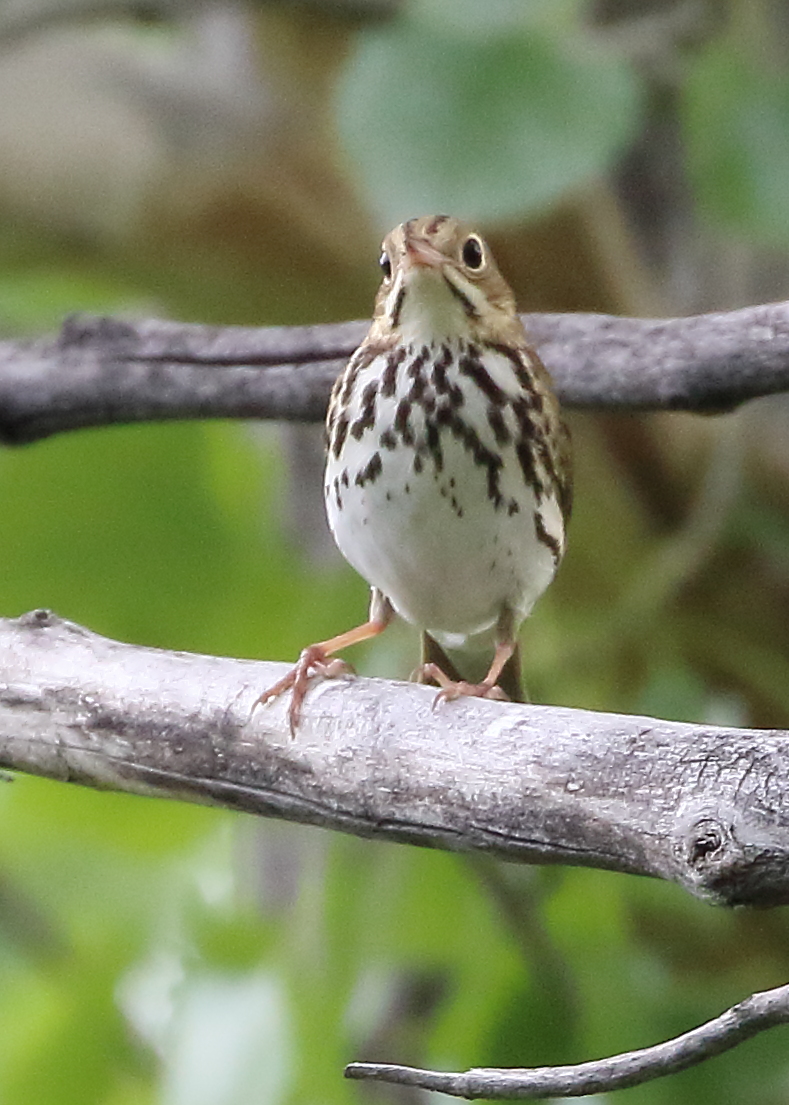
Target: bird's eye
x,y
386,265
472,253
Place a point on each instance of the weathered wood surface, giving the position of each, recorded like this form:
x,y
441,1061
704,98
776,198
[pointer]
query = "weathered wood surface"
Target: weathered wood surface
x,y
703,806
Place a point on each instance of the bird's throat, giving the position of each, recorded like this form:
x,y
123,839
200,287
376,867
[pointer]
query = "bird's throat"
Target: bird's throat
x,y
425,307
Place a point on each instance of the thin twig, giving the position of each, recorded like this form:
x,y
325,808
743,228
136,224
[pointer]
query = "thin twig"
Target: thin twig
x,y
749,1017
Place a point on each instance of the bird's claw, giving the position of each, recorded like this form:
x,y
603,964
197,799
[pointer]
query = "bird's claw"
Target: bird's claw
x,y
461,689
313,660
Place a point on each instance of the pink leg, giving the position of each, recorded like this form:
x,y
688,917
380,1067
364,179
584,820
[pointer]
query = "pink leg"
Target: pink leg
x,y
459,688
318,659
506,648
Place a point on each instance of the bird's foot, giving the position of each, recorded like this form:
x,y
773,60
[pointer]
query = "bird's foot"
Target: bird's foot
x,y
314,660
459,688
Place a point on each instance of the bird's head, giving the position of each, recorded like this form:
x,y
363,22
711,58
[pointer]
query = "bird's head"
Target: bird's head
x,y
440,283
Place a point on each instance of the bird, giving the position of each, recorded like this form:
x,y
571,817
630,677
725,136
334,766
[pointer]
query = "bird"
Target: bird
x,y
448,478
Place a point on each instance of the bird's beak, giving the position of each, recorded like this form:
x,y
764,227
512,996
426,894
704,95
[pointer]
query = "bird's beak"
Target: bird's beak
x,y
420,253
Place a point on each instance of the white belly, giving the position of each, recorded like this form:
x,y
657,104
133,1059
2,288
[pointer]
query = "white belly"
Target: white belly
x,y
429,535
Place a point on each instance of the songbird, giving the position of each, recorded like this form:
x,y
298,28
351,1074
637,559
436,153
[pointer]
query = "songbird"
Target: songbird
x,y
448,480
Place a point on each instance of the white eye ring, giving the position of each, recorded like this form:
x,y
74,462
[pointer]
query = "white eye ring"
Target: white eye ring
x,y
386,265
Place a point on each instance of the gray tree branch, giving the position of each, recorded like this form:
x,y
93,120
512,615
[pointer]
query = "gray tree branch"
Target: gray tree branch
x,y
101,371
703,806
746,1019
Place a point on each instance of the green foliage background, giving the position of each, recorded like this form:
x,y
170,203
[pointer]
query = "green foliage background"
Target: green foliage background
x,y
147,952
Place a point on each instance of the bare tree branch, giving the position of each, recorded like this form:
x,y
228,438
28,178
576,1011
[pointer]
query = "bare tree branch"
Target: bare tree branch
x,y
746,1019
102,371
700,805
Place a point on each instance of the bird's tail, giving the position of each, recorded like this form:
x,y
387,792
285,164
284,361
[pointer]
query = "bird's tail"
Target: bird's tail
x,y
452,665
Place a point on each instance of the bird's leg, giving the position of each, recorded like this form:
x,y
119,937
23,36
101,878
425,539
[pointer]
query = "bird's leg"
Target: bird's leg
x,y
506,648
319,659
460,688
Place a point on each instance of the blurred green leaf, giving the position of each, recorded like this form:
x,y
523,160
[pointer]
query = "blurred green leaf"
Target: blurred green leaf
x,y
736,113
487,125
